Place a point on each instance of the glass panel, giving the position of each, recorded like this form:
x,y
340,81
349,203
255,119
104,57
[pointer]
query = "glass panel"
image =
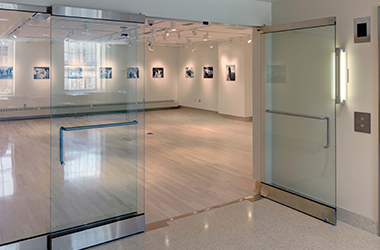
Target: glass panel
x,y
24,127
300,80
97,171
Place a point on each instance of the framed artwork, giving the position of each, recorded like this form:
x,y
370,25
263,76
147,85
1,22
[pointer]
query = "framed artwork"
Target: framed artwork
x,y
189,72
41,73
208,72
231,73
6,73
105,72
133,73
275,74
75,73
158,72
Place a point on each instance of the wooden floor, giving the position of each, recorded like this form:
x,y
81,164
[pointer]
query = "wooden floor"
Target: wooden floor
x,y
194,159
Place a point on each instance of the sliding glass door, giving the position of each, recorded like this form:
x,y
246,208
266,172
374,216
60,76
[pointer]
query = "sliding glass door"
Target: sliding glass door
x,y
97,126
300,116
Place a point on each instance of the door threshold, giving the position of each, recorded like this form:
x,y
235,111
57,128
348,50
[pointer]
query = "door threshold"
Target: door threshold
x,y
164,223
313,208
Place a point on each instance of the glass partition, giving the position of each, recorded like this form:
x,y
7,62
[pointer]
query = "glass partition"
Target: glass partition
x,y
300,113
24,127
97,121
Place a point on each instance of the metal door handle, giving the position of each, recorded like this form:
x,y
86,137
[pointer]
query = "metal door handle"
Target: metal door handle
x,y
307,116
61,129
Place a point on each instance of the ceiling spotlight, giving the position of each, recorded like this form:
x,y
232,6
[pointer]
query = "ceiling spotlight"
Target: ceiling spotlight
x,y
194,50
194,33
231,41
108,46
153,37
249,39
151,48
167,32
211,46
179,36
205,37
14,36
172,26
85,27
164,37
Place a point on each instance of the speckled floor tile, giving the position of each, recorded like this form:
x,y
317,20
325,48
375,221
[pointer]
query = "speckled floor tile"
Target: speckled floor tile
x,y
245,225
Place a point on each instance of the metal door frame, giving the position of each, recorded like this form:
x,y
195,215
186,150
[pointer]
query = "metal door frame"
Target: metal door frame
x,y
295,201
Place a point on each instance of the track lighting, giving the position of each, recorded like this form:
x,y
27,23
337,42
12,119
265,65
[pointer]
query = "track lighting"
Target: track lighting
x,y
194,50
194,33
151,48
179,36
205,37
231,41
166,32
249,39
211,46
153,37
173,26
164,37
36,18
14,36
85,27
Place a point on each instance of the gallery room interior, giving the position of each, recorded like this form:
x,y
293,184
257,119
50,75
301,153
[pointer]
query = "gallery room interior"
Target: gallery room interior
x,y
79,97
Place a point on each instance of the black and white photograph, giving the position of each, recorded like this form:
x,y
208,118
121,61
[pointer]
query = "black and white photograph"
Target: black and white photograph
x,y
41,73
275,74
133,73
105,72
6,73
75,73
189,72
231,73
158,72
208,72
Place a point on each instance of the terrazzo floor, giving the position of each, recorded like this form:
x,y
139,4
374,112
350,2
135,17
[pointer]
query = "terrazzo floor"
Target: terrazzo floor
x,y
263,224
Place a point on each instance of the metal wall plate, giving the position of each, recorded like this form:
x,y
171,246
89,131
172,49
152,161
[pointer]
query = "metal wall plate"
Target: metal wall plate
x,y
99,235
38,243
97,14
363,122
313,208
360,35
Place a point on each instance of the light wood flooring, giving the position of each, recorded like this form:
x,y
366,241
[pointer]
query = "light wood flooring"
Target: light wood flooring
x,y
194,159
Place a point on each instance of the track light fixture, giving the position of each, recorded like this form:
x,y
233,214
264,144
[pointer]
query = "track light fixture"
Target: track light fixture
x,y
85,27
173,26
37,18
167,32
211,46
194,33
231,41
194,50
153,37
205,37
164,37
179,36
151,48
249,39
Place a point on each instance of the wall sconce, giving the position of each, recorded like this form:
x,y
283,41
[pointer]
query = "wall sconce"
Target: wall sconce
x,y
341,76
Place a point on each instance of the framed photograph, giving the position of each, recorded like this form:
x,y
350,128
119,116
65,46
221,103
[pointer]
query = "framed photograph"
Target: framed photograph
x,y
231,73
189,72
133,73
208,72
6,73
75,73
41,73
158,72
105,72
275,74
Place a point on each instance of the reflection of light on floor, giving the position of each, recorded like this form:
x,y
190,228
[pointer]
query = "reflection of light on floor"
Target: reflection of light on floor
x,y
83,155
6,177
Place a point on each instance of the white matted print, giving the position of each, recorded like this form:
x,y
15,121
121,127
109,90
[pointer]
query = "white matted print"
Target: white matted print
x,y
231,73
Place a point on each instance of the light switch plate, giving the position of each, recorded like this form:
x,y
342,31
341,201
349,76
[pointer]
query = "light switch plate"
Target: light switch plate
x,y
363,122
362,30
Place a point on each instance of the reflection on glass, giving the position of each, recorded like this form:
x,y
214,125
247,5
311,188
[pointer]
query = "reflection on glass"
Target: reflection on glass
x,y
6,168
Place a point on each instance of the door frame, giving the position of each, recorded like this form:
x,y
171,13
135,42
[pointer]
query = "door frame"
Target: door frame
x,y
320,211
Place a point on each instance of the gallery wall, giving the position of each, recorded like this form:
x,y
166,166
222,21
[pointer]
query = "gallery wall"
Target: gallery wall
x,y
357,153
198,92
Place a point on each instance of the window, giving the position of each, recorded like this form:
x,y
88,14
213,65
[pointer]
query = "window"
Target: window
x,y
6,67
80,66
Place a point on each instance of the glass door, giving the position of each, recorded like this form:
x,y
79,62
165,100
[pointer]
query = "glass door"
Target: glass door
x,y
300,168
97,129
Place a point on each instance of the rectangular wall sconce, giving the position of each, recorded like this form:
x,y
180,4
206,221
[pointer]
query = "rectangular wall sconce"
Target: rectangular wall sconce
x,y
341,76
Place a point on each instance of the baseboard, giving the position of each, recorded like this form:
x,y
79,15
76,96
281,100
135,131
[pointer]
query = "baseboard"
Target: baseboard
x,y
358,221
246,119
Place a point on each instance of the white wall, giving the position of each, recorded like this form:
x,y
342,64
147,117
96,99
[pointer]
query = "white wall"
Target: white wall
x,y
248,12
161,89
190,90
357,153
235,97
